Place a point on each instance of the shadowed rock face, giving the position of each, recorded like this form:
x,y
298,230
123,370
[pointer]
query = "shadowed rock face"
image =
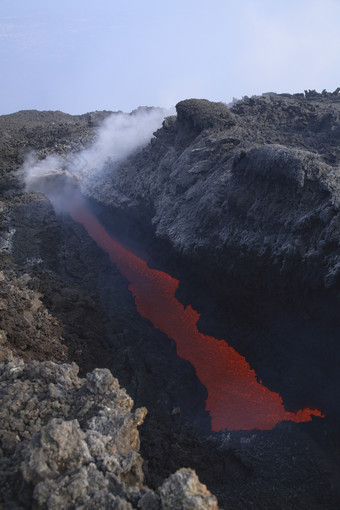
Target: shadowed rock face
x,y
245,204
52,276
241,205
231,196
244,210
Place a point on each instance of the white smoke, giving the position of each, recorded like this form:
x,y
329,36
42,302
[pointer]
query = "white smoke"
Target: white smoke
x,y
118,137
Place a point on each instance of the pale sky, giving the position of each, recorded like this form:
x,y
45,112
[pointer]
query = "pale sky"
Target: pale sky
x,y
84,55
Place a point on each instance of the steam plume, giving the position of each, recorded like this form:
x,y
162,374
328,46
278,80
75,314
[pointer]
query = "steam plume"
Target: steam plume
x,y
119,136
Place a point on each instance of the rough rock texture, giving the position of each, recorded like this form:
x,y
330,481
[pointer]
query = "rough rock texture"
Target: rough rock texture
x,y
60,297
224,200
25,323
257,185
29,130
181,490
43,316
68,442
244,208
242,205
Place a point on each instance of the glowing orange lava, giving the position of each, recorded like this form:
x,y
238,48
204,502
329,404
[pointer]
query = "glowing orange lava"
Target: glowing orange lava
x,y
236,400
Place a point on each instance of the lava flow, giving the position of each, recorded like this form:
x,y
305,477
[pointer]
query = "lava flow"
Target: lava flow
x,y
236,400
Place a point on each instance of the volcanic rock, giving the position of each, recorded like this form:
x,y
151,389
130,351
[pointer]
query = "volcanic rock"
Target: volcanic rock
x,y
73,443
235,197
244,208
240,204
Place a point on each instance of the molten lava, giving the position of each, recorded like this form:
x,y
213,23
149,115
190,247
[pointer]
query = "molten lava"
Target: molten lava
x,y
236,400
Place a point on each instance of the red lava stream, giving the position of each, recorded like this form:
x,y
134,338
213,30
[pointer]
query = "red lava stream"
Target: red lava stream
x,y
236,400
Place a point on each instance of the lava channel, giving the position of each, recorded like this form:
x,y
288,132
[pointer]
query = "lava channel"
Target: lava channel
x,y
236,399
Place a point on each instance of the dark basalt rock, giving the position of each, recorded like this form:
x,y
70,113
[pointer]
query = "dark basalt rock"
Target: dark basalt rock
x,y
245,212
229,191
255,223
199,114
242,206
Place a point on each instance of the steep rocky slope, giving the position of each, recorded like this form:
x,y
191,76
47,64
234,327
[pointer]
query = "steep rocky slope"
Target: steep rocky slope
x,y
244,203
62,300
242,206
230,189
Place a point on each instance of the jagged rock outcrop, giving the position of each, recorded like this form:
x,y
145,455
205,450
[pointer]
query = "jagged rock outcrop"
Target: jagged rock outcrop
x,y
241,201
182,490
250,193
246,206
69,443
60,297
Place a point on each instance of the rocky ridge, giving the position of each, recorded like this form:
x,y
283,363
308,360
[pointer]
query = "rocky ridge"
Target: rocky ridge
x,y
259,181
51,310
242,206
244,203
68,442
272,155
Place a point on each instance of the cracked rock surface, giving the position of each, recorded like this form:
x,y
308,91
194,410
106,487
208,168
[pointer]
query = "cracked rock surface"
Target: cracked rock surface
x,y
241,205
254,185
68,442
